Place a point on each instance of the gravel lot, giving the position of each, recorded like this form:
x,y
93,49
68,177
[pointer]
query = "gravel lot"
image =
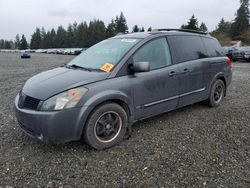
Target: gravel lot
x,y
195,146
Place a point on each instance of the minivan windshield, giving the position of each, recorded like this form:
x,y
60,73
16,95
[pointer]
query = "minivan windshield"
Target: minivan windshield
x,y
104,55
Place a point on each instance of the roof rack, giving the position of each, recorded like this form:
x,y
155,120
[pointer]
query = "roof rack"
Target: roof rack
x,y
182,30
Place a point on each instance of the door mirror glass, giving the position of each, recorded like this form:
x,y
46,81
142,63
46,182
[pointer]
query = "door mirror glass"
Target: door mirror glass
x,y
142,66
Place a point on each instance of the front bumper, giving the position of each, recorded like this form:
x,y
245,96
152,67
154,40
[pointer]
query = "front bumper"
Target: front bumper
x,y
52,127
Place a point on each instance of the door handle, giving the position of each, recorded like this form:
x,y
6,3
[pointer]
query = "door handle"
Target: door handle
x,y
186,70
172,73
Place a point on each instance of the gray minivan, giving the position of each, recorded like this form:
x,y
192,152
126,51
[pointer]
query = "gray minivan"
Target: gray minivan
x,y
103,91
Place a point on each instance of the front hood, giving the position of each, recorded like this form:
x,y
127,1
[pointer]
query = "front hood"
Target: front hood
x,y
46,84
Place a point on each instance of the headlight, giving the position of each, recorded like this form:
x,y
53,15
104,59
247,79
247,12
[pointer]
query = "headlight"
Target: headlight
x,y
67,99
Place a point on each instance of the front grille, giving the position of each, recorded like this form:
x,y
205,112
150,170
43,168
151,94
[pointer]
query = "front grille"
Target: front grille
x,y
28,102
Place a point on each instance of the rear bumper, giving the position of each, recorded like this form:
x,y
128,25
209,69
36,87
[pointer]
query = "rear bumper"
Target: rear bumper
x,y
52,127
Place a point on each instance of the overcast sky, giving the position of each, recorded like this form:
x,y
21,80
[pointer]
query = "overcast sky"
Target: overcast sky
x,y
23,16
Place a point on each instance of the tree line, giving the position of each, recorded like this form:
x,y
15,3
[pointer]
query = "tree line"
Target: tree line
x,y
226,31
84,35
238,29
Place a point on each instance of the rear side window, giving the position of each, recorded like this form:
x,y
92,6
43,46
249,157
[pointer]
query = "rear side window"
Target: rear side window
x,y
213,47
187,48
155,52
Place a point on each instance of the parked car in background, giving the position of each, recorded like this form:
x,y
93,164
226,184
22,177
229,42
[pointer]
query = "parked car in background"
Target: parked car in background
x,y
229,51
25,56
238,54
66,52
103,91
78,51
246,50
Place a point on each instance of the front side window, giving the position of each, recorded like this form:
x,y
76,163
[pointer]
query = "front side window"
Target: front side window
x,y
155,52
104,55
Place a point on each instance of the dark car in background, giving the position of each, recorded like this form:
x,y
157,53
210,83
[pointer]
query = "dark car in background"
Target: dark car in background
x,y
238,54
103,91
229,51
246,50
241,53
25,56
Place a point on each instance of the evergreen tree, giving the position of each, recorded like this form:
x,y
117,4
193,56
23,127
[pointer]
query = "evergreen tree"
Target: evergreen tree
x,y
142,29
149,29
222,32
111,29
47,40
61,38
135,29
17,42
70,36
96,32
23,43
75,39
121,24
7,44
43,39
192,24
12,45
36,39
241,22
1,44
203,27
52,39
81,35
223,28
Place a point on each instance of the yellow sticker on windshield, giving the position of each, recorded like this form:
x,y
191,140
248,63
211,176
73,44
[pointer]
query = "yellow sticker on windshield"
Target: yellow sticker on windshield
x,y
107,67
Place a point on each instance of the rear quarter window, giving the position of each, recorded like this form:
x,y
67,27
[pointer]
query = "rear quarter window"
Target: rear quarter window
x,y
187,48
213,47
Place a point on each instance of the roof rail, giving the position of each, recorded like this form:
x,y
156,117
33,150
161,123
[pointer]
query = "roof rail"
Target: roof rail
x,y
182,30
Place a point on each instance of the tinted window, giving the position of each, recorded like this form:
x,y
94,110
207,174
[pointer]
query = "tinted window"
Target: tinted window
x,y
155,52
213,47
187,48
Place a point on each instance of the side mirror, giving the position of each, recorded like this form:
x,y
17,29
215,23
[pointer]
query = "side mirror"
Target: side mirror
x,y
140,67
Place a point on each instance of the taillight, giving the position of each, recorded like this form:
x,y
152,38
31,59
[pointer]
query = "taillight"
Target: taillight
x,y
229,63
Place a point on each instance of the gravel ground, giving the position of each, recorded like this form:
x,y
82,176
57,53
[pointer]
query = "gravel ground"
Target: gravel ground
x,y
195,146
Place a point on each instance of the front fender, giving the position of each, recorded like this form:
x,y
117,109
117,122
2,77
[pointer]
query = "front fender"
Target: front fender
x,y
104,96
92,102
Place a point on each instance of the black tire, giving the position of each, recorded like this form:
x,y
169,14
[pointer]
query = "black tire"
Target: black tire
x,y
106,126
217,93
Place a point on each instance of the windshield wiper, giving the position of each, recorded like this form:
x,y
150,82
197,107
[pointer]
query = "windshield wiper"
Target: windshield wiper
x,y
97,70
78,67
84,68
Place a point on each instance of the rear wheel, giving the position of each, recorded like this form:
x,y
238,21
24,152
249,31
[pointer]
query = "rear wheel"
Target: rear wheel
x,y
106,126
217,93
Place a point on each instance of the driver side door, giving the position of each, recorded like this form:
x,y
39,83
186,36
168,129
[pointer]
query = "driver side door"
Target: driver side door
x,y
156,91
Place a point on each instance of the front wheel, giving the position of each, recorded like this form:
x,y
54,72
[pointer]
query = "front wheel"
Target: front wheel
x,y
106,126
217,93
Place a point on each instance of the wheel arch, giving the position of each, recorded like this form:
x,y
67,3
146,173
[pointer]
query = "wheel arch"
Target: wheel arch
x,y
219,76
107,97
